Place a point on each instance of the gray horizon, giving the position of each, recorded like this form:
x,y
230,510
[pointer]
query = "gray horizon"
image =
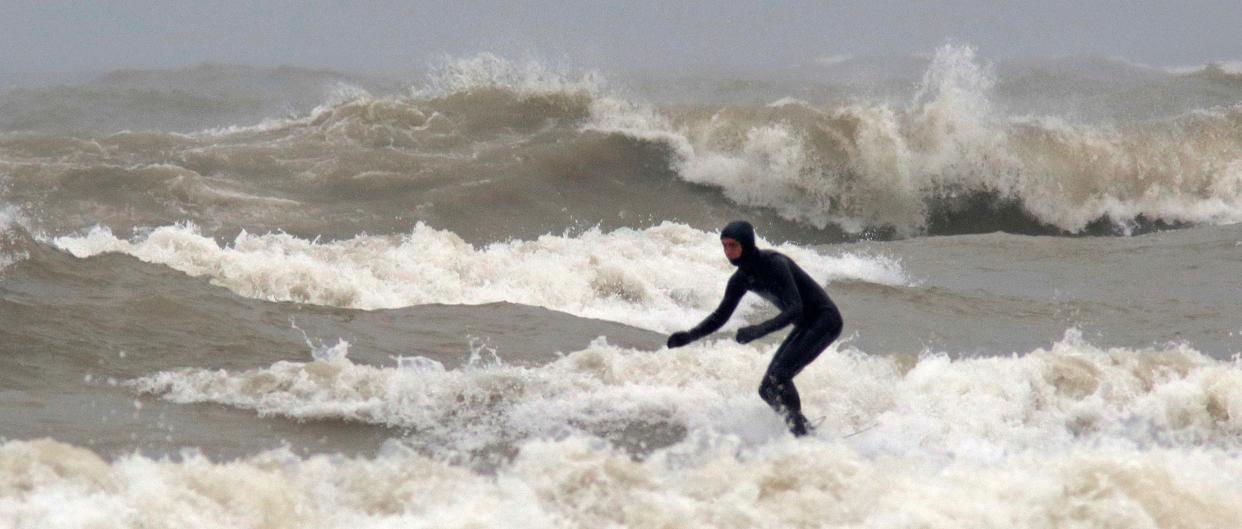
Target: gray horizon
x,y
645,36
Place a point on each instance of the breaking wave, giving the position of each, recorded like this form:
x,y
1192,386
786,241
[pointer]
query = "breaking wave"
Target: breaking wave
x,y
485,134
950,153
15,241
577,483
661,278
1071,435
976,408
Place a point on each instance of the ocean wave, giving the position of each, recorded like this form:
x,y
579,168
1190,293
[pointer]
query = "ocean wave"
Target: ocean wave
x,y
184,100
1065,436
577,483
15,240
484,131
1230,71
970,408
864,165
662,278
479,94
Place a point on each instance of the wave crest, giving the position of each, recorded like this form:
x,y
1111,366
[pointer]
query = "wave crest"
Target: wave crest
x,y
662,278
974,407
16,242
485,133
867,165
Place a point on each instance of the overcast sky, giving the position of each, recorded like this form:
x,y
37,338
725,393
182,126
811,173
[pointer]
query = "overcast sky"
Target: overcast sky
x,y
662,35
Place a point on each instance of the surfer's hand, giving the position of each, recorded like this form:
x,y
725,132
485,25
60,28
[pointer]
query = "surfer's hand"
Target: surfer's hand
x,y
748,334
679,339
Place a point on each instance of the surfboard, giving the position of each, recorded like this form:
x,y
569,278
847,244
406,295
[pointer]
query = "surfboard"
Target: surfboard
x,y
815,426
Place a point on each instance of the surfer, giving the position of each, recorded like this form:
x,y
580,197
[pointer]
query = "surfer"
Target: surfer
x,y
802,302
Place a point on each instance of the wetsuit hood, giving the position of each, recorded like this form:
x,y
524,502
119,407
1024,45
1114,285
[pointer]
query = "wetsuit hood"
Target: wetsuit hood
x,y
742,232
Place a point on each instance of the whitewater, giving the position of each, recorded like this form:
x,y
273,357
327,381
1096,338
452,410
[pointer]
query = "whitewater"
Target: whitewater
x,y
286,298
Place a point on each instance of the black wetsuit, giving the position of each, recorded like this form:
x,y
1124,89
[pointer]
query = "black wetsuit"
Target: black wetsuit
x,y
801,301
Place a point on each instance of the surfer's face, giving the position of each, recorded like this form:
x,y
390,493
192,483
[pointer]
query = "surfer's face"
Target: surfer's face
x,y
732,248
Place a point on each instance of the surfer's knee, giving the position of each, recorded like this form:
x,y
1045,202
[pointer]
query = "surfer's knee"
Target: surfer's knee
x,y
770,389
835,325
767,391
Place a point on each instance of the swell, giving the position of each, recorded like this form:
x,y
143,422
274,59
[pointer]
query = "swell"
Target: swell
x,y
492,149
183,100
15,240
658,278
115,316
74,329
949,161
1068,394
576,483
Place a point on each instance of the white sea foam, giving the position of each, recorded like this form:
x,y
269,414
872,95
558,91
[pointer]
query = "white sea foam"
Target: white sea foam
x,y
450,76
1228,67
486,70
867,164
11,220
8,217
662,278
577,483
858,165
1071,436
982,409
895,158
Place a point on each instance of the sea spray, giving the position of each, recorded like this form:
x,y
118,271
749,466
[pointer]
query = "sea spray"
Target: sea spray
x,y
983,408
864,164
662,278
575,483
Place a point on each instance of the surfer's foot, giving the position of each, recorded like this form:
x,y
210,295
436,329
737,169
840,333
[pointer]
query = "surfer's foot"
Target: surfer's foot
x,y
799,427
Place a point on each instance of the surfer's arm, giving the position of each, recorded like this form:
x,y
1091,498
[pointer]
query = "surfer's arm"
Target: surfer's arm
x,y
715,320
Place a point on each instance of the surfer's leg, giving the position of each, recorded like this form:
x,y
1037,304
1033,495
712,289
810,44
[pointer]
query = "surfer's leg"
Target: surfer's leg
x,y
798,350
772,388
